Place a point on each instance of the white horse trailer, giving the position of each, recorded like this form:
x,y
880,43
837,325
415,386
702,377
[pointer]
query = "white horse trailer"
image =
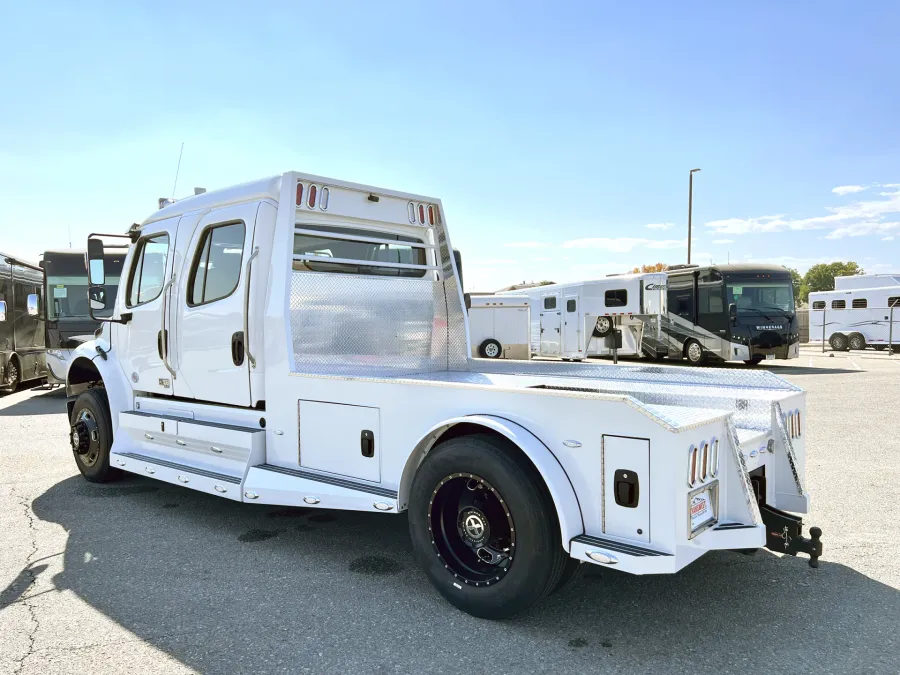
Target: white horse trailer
x,y
856,318
499,326
303,341
573,321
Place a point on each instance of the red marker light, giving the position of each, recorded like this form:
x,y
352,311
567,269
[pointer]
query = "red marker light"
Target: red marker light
x,y
421,214
431,215
299,194
311,198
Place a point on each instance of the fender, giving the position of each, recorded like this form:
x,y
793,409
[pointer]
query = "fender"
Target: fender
x,y
118,392
568,510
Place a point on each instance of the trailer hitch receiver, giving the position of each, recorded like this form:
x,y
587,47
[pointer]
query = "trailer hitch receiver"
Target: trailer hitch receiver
x,y
784,533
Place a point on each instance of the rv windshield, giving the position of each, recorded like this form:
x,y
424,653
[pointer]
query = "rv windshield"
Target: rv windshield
x,y
758,296
68,297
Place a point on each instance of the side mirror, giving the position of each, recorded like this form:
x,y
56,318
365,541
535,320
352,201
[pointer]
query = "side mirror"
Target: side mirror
x,y
32,304
732,312
2,311
96,273
97,297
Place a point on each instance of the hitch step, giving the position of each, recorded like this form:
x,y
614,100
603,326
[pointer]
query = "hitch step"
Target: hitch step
x,y
784,534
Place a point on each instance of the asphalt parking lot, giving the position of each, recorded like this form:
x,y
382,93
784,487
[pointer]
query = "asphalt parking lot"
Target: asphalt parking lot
x,y
142,576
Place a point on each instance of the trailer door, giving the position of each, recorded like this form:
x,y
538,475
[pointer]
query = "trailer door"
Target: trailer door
x,y
572,327
550,324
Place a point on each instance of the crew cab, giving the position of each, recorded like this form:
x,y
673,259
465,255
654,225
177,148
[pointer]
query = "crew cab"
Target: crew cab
x,y
303,341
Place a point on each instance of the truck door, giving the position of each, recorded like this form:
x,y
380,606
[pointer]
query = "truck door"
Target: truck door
x,y
211,350
550,325
572,327
147,293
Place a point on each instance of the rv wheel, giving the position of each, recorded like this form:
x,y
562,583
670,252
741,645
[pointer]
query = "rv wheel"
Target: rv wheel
x,y
490,349
13,376
857,341
603,326
91,436
484,528
839,342
755,361
693,350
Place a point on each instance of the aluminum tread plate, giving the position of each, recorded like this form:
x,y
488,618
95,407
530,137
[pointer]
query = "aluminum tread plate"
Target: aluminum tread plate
x,y
330,480
618,546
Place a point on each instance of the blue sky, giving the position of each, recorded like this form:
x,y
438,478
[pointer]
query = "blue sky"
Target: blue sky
x,y
555,134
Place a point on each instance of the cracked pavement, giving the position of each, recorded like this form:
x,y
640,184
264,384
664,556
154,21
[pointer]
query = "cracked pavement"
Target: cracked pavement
x,y
142,576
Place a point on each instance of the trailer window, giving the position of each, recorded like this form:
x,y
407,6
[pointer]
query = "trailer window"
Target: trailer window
x,y
550,302
838,304
859,303
819,304
894,302
217,264
148,272
390,253
617,298
570,305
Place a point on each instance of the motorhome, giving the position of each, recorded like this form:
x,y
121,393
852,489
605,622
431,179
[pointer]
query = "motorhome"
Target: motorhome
x,y
856,317
303,341
574,320
22,340
68,316
731,313
499,326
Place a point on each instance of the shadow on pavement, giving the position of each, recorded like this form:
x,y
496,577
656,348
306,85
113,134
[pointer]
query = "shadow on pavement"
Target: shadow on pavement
x,y
229,587
50,402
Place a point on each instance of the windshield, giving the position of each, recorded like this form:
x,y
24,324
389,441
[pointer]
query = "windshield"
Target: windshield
x,y
755,297
67,297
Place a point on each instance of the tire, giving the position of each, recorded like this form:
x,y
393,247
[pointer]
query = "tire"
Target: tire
x,y
13,375
755,361
572,572
839,342
693,352
91,430
490,349
458,478
603,327
857,341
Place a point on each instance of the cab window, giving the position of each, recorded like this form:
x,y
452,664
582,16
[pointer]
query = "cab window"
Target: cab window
x,y
148,271
217,264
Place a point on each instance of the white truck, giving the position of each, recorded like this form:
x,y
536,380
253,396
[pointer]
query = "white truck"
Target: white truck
x,y
499,326
302,341
580,319
862,311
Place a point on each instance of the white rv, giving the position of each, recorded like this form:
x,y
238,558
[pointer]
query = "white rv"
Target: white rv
x,y
857,314
499,326
572,320
303,341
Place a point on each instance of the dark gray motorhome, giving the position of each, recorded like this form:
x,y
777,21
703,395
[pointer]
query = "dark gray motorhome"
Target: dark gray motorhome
x,y
731,313
22,340
68,315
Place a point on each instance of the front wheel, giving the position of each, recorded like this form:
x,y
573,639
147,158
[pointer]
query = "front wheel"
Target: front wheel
x,y
484,528
13,376
693,350
91,436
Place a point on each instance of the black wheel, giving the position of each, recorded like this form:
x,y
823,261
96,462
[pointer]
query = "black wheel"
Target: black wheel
x,y
484,528
490,349
603,327
13,376
755,361
91,436
693,352
857,341
839,342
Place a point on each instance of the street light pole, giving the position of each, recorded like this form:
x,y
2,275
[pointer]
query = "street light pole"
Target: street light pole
x,y
690,208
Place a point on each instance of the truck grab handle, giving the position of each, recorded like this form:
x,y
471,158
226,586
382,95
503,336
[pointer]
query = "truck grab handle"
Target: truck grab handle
x,y
165,336
247,306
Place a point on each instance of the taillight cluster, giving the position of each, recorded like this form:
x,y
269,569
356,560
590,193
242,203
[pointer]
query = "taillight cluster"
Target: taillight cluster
x,y
703,462
314,196
423,214
793,424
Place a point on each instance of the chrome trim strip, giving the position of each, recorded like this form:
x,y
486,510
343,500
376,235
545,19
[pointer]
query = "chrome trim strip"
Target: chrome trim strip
x,y
338,482
364,263
617,546
247,307
734,526
181,467
188,420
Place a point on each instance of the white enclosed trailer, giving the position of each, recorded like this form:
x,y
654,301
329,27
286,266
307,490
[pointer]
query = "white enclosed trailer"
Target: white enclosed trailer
x,y
856,318
499,326
866,281
572,320
302,341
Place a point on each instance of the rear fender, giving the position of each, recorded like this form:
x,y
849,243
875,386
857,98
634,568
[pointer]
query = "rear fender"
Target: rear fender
x,y
568,510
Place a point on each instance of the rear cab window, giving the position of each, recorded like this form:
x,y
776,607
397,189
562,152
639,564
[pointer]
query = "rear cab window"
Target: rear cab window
x,y
325,248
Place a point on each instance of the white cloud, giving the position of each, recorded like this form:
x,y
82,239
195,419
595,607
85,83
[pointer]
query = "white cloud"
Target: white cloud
x,y
848,189
525,244
862,229
890,238
660,226
624,244
494,261
723,241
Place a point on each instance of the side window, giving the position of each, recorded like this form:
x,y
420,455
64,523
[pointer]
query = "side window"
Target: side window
x,y
570,305
549,302
617,298
681,297
860,303
217,264
819,304
838,304
148,271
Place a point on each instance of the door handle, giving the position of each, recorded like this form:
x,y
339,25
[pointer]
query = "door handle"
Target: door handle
x,y
237,348
161,336
367,443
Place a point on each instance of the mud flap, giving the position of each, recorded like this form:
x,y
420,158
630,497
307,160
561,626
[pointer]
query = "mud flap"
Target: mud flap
x,y
784,534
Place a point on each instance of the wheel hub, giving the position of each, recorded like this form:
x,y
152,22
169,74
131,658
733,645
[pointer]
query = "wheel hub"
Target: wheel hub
x,y
85,438
473,526
81,438
694,351
492,350
602,324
